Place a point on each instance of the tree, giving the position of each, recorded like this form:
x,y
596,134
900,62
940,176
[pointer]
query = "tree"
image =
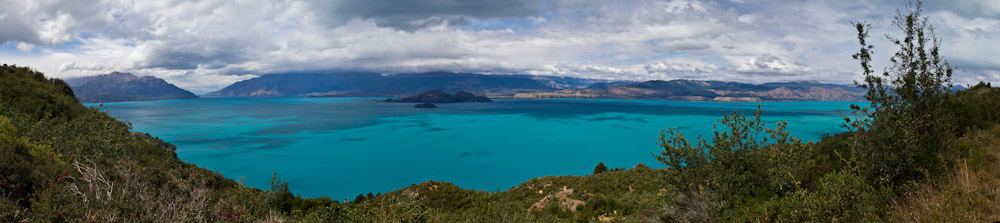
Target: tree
x,y
600,168
902,132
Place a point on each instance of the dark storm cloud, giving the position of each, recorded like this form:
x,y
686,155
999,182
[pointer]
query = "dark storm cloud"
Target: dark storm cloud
x,y
186,55
412,15
15,29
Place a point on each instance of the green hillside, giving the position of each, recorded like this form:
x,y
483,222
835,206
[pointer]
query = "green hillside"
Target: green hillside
x,y
64,162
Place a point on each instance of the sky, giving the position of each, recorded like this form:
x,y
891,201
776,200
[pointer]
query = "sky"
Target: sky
x,y
205,45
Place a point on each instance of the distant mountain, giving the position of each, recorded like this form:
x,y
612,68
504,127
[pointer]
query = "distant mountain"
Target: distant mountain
x,y
373,84
609,85
528,86
115,87
732,91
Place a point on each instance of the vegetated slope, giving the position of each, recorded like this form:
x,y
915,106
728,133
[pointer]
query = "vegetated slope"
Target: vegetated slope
x,y
115,87
967,193
373,84
63,162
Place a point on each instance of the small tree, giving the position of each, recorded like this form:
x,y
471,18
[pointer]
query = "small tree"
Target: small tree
x,y
600,168
901,131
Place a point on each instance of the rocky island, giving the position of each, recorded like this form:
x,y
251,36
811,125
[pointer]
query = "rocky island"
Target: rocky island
x,y
439,96
425,105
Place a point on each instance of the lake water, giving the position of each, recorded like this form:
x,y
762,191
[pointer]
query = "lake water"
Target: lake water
x,y
341,147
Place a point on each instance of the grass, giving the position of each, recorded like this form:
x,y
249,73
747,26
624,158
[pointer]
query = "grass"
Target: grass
x,y
970,192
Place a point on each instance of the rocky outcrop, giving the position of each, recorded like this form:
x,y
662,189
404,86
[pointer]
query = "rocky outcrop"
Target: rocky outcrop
x,y
562,198
439,96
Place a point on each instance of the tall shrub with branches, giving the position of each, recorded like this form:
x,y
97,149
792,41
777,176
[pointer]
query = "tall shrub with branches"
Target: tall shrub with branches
x,y
902,132
742,162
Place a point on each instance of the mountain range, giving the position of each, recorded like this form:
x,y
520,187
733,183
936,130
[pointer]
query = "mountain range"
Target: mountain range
x,y
731,91
529,86
374,84
127,87
115,87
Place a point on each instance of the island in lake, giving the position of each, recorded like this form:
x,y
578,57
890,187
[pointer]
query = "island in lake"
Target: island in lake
x,y
439,96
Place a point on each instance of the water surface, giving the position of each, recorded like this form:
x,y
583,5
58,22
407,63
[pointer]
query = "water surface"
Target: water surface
x,y
340,147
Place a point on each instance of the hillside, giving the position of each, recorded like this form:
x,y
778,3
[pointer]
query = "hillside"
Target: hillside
x,y
115,87
64,162
373,84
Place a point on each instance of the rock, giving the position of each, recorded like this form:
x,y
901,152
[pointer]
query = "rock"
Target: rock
x,y
425,105
563,198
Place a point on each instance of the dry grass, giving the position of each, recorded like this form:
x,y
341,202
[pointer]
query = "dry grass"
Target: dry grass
x,y
970,192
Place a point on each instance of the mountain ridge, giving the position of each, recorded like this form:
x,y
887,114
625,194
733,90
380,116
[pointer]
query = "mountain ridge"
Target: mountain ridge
x,y
118,86
528,86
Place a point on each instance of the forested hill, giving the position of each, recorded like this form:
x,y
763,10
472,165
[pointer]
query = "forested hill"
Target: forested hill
x,y
115,87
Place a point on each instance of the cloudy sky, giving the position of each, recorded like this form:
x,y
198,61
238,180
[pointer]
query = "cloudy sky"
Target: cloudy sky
x,y
204,45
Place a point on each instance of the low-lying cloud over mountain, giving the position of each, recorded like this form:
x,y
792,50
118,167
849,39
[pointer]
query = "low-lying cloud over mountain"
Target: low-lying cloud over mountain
x,y
208,44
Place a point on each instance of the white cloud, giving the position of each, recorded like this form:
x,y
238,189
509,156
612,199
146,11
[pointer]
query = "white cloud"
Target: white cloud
x,y
205,45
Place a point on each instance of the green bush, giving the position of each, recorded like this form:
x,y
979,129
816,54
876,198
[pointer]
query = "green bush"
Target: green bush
x,y
600,168
905,128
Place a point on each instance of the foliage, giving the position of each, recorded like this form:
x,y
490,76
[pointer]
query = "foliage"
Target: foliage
x,y
66,162
600,168
904,128
973,108
743,162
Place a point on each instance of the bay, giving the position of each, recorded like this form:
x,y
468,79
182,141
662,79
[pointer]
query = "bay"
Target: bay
x,y
341,147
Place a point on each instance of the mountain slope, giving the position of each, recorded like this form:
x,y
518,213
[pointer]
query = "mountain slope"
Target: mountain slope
x,y
373,84
115,87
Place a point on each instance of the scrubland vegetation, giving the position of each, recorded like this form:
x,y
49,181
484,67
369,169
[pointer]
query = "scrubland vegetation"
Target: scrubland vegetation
x,y
919,152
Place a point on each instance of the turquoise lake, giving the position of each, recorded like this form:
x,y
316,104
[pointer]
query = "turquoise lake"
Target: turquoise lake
x,y
342,147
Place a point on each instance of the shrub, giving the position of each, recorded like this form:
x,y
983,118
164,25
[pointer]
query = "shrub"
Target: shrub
x,y
600,168
902,131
